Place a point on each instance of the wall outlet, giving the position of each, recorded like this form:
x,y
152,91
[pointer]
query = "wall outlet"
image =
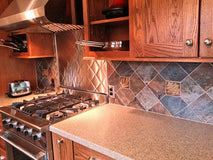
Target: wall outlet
x,y
111,91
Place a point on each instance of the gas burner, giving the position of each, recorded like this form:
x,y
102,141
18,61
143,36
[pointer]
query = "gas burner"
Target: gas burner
x,y
54,107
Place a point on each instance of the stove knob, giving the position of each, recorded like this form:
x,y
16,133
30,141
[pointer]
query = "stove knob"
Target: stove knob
x,y
6,120
28,132
36,136
20,128
13,124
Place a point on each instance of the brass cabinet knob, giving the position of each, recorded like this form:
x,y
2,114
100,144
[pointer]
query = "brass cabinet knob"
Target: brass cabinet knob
x,y
189,42
208,42
60,141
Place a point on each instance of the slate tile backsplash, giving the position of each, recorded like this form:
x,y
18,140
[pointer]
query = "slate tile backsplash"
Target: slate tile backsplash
x,y
182,90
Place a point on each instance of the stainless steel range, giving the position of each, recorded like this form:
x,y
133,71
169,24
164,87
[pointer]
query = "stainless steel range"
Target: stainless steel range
x,y
26,124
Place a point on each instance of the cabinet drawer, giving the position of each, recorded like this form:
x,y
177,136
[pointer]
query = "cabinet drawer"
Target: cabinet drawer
x,y
84,153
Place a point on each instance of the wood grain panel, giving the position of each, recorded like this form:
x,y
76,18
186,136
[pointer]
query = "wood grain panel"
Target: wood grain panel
x,y
4,4
14,69
84,153
95,9
40,44
168,22
206,30
64,150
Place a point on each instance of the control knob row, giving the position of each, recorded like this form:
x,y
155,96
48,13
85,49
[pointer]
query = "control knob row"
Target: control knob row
x,y
20,128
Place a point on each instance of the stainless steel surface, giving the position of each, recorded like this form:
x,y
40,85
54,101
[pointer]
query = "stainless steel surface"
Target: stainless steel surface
x,y
27,13
189,42
2,45
75,72
60,141
24,146
110,45
208,42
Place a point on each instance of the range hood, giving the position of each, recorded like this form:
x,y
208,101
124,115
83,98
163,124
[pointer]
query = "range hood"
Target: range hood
x,y
53,15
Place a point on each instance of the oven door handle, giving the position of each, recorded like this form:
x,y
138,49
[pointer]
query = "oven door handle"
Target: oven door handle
x,y
38,156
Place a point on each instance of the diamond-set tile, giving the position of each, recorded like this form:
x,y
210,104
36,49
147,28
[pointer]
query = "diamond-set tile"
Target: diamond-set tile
x,y
147,98
159,66
136,104
159,108
204,76
173,104
136,84
187,113
173,72
124,69
190,90
146,72
189,67
210,93
125,95
158,86
203,107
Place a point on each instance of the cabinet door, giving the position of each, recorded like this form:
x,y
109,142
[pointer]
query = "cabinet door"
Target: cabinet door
x,y
62,148
206,29
84,153
160,28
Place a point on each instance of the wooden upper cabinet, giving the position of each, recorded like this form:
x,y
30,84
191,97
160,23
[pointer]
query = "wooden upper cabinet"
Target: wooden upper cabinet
x,y
206,29
160,28
39,45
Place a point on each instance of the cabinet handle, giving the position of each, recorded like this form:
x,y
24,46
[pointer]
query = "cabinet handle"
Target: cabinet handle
x,y
208,42
189,42
60,141
2,157
92,158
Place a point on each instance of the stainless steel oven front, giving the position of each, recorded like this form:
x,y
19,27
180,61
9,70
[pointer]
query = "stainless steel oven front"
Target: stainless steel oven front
x,y
24,141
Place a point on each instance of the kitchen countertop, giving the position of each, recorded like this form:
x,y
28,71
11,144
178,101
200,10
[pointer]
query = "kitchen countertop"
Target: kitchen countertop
x,y
126,133
5,100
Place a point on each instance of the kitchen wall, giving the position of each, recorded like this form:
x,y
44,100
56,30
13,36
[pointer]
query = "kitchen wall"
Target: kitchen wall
x,y
182,90
14,69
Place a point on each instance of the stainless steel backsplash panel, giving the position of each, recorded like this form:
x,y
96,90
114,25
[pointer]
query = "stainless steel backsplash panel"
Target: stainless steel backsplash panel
x,y
76,72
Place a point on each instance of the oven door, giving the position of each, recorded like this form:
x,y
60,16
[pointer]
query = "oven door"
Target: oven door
x,y
16,145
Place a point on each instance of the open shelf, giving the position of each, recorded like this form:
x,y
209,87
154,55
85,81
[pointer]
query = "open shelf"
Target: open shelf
x,y
113,20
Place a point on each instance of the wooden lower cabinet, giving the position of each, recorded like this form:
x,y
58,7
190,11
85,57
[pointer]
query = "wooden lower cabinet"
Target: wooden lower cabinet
x,y
65,149
62,148
2,143
84,153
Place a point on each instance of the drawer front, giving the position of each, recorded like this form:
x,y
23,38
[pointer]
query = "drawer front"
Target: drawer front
x,y
84,153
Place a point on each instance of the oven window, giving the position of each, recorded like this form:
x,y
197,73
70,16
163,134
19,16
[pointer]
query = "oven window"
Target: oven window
x,y
18,155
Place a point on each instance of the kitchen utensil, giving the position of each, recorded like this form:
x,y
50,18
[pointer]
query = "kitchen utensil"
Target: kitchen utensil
x,y
106,46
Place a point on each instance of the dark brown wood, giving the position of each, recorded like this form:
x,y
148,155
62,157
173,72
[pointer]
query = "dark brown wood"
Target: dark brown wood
x,y
14,69
206,30
84,153
160,28
63,150
4,4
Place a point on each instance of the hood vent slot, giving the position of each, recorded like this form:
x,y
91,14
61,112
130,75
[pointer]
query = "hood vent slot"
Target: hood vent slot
x,y
58,27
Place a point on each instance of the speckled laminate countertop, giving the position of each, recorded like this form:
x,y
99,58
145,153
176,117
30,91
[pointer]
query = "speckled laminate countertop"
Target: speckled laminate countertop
x,y
126,133
5,100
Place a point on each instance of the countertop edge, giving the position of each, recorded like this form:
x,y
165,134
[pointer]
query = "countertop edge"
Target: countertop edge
x,y
89,144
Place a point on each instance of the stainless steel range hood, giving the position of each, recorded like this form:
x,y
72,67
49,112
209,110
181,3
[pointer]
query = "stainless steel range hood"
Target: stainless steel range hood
x,y
54,15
